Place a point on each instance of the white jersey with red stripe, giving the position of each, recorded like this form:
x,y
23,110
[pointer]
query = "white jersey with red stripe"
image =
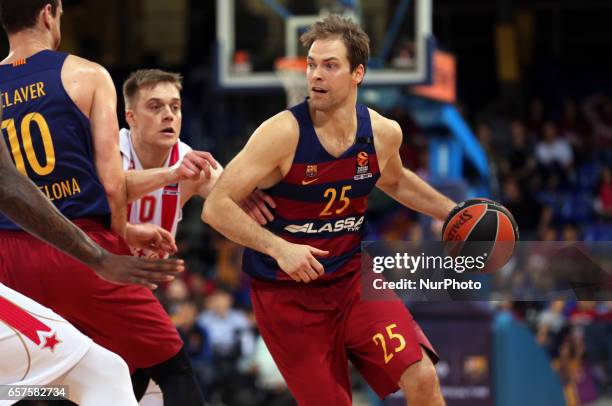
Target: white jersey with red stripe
x,y
162,206
37,346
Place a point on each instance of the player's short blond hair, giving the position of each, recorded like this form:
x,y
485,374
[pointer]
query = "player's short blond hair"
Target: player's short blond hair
x,y
147,78
355,39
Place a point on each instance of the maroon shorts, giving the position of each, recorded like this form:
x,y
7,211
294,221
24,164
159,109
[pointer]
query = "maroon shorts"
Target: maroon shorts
x,y
313,330
127,320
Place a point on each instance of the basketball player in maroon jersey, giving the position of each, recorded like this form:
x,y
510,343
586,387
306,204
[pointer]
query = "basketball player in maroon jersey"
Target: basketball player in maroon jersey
x,y
65,356
70,112
318,161
23,203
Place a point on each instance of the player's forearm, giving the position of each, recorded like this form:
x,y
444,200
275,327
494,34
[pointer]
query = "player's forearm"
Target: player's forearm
x,y
116,195
139,183
415,193
22,202
224,215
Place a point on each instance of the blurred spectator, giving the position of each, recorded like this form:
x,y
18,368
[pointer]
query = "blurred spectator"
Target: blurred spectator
x,y
176,292
569,125
229,329
598,346
485,136
520,162
574,128
535,117
231,339
199,286
268,379
550,325
528,213
197,343
553,154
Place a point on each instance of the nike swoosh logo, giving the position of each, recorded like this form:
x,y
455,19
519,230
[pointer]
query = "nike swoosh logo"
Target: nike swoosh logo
x,y
308,182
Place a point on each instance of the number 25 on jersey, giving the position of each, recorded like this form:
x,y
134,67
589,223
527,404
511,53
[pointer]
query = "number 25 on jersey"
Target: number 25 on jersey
x,y
380,339
331,194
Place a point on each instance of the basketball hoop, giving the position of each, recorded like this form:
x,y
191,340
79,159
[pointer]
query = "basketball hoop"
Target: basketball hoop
x,y
292,74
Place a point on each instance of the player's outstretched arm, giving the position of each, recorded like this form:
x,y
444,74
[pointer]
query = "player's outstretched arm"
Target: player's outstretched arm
x,y
25,205
399,182
272,144
196,166
129,270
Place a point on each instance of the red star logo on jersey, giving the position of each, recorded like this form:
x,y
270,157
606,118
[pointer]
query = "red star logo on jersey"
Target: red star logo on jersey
x,y
51,342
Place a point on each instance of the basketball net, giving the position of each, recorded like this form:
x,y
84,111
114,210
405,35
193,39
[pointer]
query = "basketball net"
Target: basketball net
x,y
292,74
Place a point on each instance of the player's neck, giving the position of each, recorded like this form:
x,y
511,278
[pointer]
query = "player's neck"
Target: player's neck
x,y
340,120
27,43
150,156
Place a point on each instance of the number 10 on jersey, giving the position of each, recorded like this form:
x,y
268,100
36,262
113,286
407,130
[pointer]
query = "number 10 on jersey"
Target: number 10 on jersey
x,y
27,145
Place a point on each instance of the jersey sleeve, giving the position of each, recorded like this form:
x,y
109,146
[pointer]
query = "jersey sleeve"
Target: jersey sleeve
x,y
124,148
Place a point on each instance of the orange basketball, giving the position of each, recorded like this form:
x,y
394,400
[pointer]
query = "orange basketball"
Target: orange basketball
x,y
488,224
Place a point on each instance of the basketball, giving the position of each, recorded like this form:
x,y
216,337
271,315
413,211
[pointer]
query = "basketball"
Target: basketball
x,y
489,225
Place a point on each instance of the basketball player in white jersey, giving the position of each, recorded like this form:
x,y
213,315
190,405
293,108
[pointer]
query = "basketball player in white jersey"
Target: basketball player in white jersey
x,y
153,112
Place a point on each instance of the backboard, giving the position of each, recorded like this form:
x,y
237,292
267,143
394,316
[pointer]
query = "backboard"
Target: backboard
x,y
253,34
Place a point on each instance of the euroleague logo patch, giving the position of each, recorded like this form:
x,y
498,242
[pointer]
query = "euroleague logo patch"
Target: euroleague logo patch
x,y
363,170
362,159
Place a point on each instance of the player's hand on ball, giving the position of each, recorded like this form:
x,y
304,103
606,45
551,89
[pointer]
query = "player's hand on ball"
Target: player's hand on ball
x,y
193,164
299,262
256,206
150,237
123,269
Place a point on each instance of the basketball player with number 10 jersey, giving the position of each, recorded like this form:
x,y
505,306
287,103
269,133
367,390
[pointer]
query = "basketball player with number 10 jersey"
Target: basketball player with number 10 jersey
x,y
42,120
61,127
153,111
161,206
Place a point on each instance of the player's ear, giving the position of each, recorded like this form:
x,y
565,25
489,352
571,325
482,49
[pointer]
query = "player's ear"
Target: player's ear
x,y
46,13
358,74
129,117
